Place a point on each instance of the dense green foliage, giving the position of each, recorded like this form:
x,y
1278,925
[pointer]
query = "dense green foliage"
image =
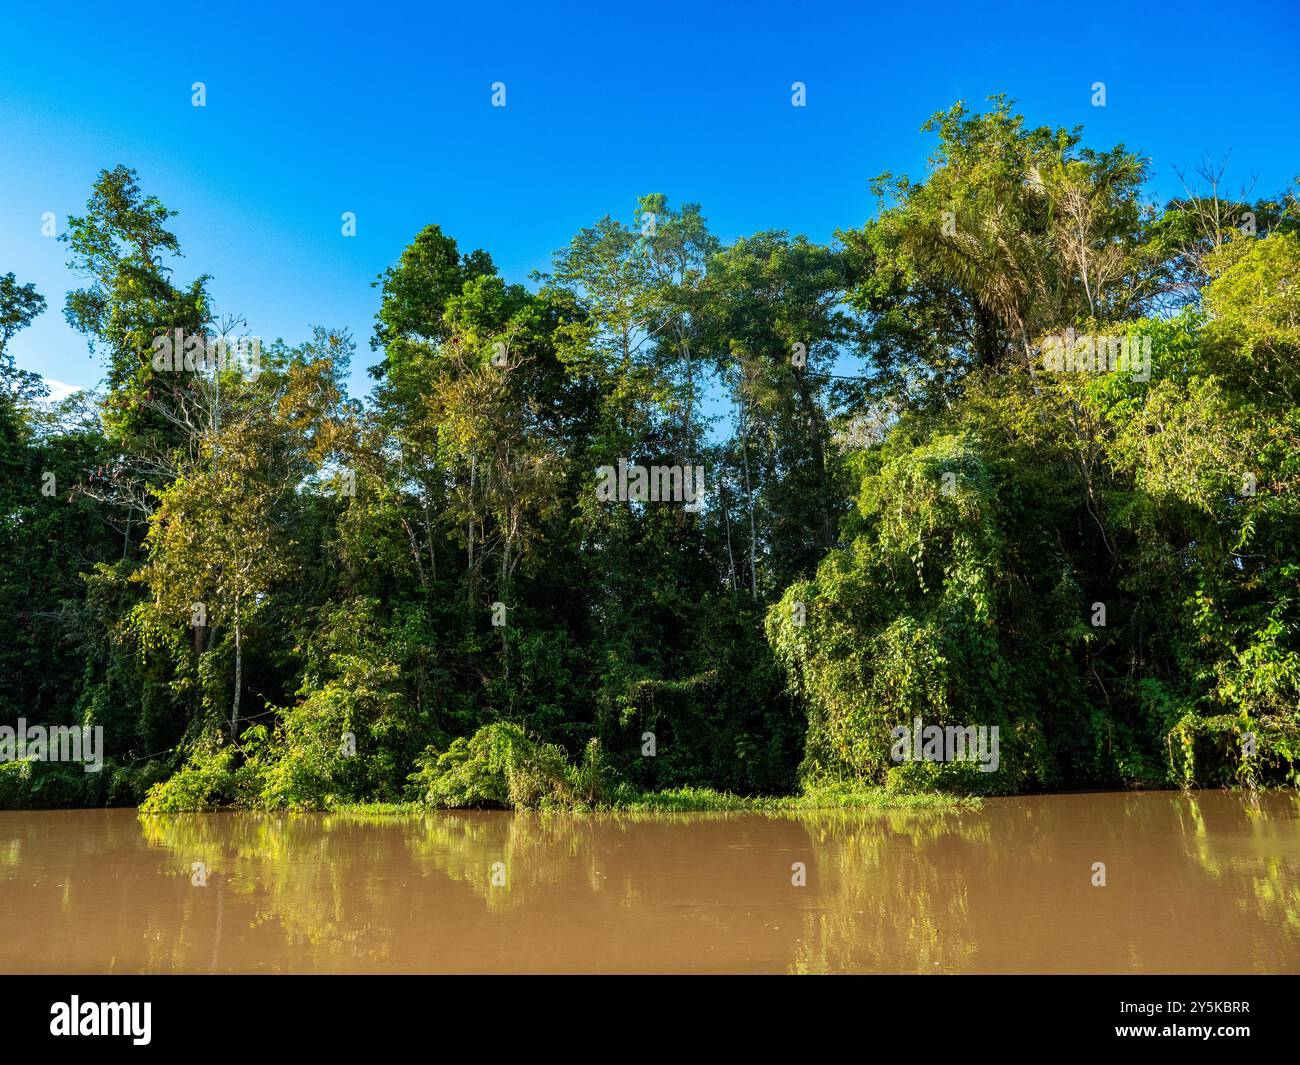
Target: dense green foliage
x,y
269,594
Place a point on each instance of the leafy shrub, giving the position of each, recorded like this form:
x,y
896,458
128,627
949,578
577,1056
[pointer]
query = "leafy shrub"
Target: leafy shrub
x,y
207,780
502,766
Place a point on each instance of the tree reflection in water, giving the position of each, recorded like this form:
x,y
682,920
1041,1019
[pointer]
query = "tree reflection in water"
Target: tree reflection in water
x,y
1207,882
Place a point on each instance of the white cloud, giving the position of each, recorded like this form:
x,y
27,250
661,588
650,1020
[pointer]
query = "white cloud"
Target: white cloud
x,y
58,390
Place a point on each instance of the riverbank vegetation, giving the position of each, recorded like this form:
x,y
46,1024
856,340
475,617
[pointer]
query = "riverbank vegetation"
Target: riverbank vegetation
x,y
274,595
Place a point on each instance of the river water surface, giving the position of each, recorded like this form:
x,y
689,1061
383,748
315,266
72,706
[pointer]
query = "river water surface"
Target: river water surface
x,y
1203,883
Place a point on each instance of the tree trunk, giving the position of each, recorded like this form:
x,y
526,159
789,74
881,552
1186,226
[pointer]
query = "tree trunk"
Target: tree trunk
x,y
505,591
726,517
239,677
749,494
469,572
428,537
814,415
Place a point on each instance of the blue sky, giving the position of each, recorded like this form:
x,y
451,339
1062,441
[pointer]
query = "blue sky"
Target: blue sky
x,y
384,110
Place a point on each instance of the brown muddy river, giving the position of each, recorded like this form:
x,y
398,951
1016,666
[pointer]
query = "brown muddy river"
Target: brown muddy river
x,y
1204,883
